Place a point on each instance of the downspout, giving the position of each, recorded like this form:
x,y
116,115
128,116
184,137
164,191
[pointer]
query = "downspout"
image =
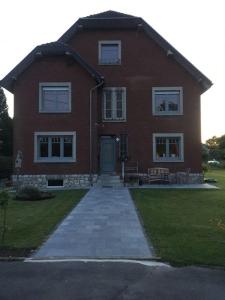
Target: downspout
x,y
90,133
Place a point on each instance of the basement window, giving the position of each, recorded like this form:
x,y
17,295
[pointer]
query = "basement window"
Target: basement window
x,y
55,182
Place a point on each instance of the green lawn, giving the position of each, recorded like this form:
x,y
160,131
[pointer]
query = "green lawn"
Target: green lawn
x,y
30,222
186,226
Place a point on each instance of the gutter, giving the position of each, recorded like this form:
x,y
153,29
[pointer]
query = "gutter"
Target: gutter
x,y
90,132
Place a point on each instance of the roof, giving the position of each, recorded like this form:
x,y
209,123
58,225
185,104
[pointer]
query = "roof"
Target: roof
x,y
105,20
108,14
116,20
49,49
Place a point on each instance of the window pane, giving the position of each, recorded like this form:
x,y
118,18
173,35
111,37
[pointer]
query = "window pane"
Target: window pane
x,y
55,146
174,101
108,104
174,147
55,99
43,143
160,103
110,53
166,101
119,104
160,147
67,147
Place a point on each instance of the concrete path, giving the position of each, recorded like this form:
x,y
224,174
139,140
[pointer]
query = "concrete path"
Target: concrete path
x,y
103,225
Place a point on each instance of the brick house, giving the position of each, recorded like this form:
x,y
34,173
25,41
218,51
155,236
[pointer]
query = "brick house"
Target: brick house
x,y
110,89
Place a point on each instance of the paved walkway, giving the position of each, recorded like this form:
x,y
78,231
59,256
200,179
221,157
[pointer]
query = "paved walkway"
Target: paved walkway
x,y
103,225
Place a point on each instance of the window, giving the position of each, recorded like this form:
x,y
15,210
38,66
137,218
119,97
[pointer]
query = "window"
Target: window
x,y
55,182
123,147
54,147
167,101
55,97
114,104
168,147
109,52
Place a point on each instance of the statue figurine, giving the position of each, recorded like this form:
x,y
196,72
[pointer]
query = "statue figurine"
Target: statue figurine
x,y
19,158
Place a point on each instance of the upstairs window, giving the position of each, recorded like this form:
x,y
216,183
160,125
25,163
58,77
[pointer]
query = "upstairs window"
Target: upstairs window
x,y
114,104
168,147
167,101
55,97
109,52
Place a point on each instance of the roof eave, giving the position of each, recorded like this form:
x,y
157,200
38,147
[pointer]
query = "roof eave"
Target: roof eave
x,y
8,81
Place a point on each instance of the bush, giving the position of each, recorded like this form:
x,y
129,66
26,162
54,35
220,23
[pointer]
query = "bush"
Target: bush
x,y
6,167
205,168
32,193
222,164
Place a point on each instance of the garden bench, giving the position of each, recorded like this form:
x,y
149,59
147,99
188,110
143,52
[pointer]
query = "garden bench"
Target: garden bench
x,y
160,175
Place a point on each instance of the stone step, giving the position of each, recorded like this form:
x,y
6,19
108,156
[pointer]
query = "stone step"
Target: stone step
x,y
109,181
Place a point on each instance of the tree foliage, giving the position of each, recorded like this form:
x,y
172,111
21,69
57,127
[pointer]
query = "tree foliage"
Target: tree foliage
x,y
6,127
216,147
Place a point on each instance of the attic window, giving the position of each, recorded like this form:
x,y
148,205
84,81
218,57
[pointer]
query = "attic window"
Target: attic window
x,y
109,52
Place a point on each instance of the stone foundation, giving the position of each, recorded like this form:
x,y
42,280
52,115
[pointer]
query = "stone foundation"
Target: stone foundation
x,y
186,178
182,178
41,181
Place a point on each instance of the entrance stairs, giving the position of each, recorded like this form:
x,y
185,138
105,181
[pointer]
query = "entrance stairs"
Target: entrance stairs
x,y
107,180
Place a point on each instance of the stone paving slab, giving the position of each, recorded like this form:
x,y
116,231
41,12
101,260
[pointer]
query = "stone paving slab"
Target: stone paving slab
x,y
104,224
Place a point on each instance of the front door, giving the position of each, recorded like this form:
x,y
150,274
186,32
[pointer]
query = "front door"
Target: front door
x,y
107,155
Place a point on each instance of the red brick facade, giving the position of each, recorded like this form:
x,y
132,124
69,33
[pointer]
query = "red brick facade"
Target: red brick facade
x,y
144,65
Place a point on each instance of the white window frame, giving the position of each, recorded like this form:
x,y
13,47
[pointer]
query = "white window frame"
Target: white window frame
x,y
168,135
108,42
167,113
38,159
124,104
53,84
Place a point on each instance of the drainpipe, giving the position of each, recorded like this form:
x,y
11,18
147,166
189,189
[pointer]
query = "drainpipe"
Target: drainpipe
x,y
90,133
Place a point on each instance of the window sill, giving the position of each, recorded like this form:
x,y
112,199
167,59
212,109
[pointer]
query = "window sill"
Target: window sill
x,y
167,114
109,64
50,161
55,112
114,121
168,160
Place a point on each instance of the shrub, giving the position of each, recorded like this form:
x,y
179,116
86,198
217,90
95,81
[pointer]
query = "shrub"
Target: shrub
x,y
32,193
6,166
4,199
205,168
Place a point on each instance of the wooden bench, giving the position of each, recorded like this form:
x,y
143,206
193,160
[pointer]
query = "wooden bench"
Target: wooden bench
x,y
160,175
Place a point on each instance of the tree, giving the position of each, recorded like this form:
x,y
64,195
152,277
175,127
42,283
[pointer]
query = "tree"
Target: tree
x,y
205,153
216,147
3,104
6,127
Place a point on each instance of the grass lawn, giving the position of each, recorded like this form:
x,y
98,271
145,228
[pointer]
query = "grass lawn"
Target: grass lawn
x,y
30,222
185,226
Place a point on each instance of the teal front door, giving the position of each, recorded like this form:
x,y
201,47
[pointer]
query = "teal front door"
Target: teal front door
x,y
107,155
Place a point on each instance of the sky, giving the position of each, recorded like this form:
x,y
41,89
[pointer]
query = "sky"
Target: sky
x,y
196,28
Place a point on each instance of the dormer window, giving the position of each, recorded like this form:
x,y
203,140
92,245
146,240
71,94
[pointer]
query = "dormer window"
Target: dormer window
x,y
109,52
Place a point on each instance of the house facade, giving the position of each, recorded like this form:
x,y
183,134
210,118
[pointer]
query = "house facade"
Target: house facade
x,y
111,89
